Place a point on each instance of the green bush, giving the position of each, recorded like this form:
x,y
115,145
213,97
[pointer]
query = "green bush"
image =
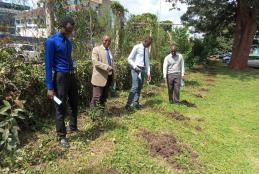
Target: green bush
x,y
25,82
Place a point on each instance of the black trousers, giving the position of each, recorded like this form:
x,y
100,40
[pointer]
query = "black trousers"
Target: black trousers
x,y
66,89
100,94
174,83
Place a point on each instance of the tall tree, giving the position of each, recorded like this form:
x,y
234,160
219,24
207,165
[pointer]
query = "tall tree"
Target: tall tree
x,y
50,19
119,11
224,18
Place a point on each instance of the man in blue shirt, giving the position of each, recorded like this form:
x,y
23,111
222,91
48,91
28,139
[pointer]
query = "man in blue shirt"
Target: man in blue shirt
x,y
62,84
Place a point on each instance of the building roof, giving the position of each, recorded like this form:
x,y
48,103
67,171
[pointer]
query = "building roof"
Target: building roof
x,y
32,13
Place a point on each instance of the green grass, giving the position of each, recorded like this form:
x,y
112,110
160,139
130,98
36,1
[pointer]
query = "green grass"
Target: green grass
x,y
227,140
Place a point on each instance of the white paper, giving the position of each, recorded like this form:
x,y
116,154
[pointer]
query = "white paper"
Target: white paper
x,y
139,76
57,100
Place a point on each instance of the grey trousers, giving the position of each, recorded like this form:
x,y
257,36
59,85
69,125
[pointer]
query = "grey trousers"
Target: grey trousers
x,y
136,87
174,83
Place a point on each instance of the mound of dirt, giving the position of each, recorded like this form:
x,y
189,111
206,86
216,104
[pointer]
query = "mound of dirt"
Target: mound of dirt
x,y
188,104
111,171
178,116
203,90
198,95
167,146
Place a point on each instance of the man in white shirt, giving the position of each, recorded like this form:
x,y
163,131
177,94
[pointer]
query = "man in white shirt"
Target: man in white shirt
x,y
173,72
139,62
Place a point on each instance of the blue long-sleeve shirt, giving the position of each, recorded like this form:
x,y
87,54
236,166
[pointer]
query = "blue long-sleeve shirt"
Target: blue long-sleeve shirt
x,y
56,57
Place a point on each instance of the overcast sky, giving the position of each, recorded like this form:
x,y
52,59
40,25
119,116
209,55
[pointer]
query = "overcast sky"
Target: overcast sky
x,y
157,7
153,6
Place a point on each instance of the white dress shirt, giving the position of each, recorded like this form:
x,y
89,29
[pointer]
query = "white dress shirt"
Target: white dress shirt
x,y
136,57
173,64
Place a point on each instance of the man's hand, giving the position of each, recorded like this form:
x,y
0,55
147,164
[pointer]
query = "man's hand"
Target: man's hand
x,y
50,93
149,78
137,69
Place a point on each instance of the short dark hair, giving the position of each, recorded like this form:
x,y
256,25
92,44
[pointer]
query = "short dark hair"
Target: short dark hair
x,y
65,20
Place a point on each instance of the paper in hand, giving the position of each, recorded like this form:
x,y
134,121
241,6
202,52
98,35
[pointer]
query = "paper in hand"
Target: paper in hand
x,y
57,100
139,76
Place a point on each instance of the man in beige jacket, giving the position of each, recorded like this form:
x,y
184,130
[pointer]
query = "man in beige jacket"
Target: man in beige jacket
x,y
103,72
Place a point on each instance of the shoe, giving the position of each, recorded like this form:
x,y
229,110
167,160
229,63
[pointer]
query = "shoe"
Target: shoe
x,y
138,106
128,108
63,142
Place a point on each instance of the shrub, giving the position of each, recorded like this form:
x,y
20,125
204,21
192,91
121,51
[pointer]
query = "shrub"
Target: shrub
x,y
25,81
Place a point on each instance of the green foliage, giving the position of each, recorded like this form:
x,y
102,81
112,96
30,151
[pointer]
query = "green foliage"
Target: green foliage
x,y
181,39
199,53
8,125
167,25
138,27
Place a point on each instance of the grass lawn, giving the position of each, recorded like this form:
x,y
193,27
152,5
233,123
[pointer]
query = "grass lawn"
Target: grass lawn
x,y
218,134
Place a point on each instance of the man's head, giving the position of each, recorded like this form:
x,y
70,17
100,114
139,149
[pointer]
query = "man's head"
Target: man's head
x,y
147,41
66,26
173,49
106,41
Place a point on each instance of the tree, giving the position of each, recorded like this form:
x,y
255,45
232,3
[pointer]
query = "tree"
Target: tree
x,y
119,11
50,19
224,18
166,25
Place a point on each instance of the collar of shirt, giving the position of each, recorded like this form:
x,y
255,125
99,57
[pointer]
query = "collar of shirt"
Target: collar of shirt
x,y
175,56
105,48
61,36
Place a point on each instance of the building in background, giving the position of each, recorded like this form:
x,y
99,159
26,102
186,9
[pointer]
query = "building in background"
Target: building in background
x,y
94,4
8,11
31,23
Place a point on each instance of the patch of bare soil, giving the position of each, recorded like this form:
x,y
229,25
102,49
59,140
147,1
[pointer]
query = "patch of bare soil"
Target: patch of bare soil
x,y
198,128
167,146
188,104
210,80
198,95
111,171
178,116
203,90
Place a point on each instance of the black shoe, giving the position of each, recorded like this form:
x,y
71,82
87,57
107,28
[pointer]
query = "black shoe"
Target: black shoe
x,y
128,108
138,106
63,142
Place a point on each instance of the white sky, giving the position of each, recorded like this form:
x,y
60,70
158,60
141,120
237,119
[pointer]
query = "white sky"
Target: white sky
x,y
153,6
157,7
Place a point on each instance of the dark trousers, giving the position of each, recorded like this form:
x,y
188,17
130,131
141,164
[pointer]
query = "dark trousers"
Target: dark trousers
x,y
66,89
100,94
136,87
173,83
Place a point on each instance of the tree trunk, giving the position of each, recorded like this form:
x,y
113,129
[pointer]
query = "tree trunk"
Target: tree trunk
x,y
49,5
244,34
119,27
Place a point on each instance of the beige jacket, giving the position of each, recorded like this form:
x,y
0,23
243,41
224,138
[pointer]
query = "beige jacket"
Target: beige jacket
x,y
100,66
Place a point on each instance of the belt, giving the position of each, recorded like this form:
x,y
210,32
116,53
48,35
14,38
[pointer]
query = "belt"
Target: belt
x,y
68,72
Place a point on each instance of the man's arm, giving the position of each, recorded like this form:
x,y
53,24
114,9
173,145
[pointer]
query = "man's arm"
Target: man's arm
x,y
132,57
147,63
165,66
97,63
182,67
49,58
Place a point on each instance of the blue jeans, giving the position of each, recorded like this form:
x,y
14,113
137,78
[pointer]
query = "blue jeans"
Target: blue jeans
x,y
136,87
